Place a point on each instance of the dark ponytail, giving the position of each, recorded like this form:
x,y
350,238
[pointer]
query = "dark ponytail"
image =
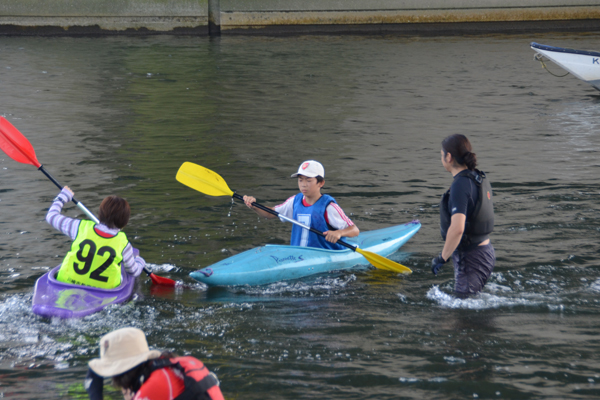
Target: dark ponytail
x,y
459,146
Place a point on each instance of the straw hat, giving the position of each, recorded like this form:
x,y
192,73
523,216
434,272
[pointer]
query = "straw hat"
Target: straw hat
x,y
120,351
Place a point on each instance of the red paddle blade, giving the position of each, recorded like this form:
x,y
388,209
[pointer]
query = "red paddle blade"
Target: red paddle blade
x,y
161,280
15,145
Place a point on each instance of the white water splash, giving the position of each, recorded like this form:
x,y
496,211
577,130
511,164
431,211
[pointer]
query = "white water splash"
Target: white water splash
x,y
33,338
162,267
481,301
595,285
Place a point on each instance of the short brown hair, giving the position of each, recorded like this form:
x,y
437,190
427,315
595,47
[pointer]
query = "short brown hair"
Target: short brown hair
x,y
114,212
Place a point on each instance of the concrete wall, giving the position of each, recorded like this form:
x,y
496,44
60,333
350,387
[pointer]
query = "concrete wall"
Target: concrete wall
x,y
364,5
280,16
103,16
239,15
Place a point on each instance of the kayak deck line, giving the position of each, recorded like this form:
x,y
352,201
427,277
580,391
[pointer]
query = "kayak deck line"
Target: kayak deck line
x,y
272,263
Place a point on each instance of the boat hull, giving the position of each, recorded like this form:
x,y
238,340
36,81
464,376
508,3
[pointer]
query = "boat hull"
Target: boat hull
x,y
583,64
273,263
52,298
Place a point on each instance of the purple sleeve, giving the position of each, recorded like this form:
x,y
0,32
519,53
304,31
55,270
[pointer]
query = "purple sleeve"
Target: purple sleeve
x,y
66,225
133,264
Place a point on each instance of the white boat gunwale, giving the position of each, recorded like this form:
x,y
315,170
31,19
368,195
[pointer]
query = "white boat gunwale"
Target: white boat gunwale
x,y
564,50
582,64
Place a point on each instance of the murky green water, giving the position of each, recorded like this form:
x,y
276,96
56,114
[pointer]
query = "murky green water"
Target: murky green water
x,y
120,115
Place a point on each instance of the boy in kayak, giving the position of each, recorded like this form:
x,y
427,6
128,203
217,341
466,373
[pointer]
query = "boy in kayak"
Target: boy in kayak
x,y
319,211
98,250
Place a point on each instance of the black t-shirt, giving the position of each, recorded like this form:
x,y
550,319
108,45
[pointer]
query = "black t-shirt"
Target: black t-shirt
x,y
464,195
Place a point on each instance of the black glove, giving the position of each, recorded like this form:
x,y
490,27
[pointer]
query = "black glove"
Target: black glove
x,y
437,263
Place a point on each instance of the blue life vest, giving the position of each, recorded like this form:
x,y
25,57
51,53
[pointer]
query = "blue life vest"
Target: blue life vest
x,y
313,216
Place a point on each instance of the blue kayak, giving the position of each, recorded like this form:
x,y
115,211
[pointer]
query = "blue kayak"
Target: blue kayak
x,y
52,298
273,263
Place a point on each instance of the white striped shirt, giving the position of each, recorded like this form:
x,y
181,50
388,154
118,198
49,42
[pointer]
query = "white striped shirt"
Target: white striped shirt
x,y
334,215
70,226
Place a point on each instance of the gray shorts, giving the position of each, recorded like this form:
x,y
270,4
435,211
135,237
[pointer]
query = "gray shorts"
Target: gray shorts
x,y
472,269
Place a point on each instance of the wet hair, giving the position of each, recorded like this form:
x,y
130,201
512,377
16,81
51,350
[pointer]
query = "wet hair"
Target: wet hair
x,y
459,146
114,212
131,379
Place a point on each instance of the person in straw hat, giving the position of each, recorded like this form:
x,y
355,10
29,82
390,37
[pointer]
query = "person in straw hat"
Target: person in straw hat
x,y
144,374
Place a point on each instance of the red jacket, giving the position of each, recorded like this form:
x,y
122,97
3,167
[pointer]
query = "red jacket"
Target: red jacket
x,y
179,378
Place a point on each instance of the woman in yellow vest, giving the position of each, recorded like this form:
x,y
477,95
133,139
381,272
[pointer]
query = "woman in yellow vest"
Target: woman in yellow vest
x,y
99,251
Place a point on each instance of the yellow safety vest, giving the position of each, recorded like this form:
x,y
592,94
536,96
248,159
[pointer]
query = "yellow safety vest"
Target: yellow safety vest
x,y
93,260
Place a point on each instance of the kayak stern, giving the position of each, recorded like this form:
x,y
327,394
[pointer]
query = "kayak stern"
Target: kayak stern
x,y
52,298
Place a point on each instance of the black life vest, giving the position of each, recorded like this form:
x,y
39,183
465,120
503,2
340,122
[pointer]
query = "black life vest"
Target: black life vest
x,y
196,377
480,223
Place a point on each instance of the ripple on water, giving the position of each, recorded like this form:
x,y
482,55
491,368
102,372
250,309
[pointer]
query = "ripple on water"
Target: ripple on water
x,y
319,286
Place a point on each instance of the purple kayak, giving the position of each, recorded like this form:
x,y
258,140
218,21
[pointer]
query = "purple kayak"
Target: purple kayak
x,y
52,298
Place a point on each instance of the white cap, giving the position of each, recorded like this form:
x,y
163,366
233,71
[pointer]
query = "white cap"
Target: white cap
x,y
311,169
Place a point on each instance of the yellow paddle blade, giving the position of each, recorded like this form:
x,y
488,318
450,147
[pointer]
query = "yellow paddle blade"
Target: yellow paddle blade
x,y
383,263
203,180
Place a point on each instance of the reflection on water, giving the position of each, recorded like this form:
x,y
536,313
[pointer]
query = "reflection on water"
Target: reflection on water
x,y
120,115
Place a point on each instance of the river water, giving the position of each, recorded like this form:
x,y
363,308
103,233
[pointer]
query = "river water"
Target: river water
x,y
118,115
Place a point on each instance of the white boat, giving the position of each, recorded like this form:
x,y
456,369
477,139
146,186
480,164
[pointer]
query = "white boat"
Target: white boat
x,y
583,64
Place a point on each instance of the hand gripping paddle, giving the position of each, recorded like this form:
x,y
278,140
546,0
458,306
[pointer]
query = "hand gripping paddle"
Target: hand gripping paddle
x,y
17,147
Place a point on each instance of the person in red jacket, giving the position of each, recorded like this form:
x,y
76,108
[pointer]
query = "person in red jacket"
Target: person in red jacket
x,y
144,374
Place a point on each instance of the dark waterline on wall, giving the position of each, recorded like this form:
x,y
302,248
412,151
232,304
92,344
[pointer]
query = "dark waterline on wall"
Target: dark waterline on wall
x,y
402,29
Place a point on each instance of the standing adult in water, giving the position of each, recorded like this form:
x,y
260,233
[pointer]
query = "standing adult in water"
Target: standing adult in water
x,y
466,219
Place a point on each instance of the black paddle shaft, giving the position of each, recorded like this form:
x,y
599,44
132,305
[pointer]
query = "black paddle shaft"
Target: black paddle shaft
x,y
41,168
313,230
